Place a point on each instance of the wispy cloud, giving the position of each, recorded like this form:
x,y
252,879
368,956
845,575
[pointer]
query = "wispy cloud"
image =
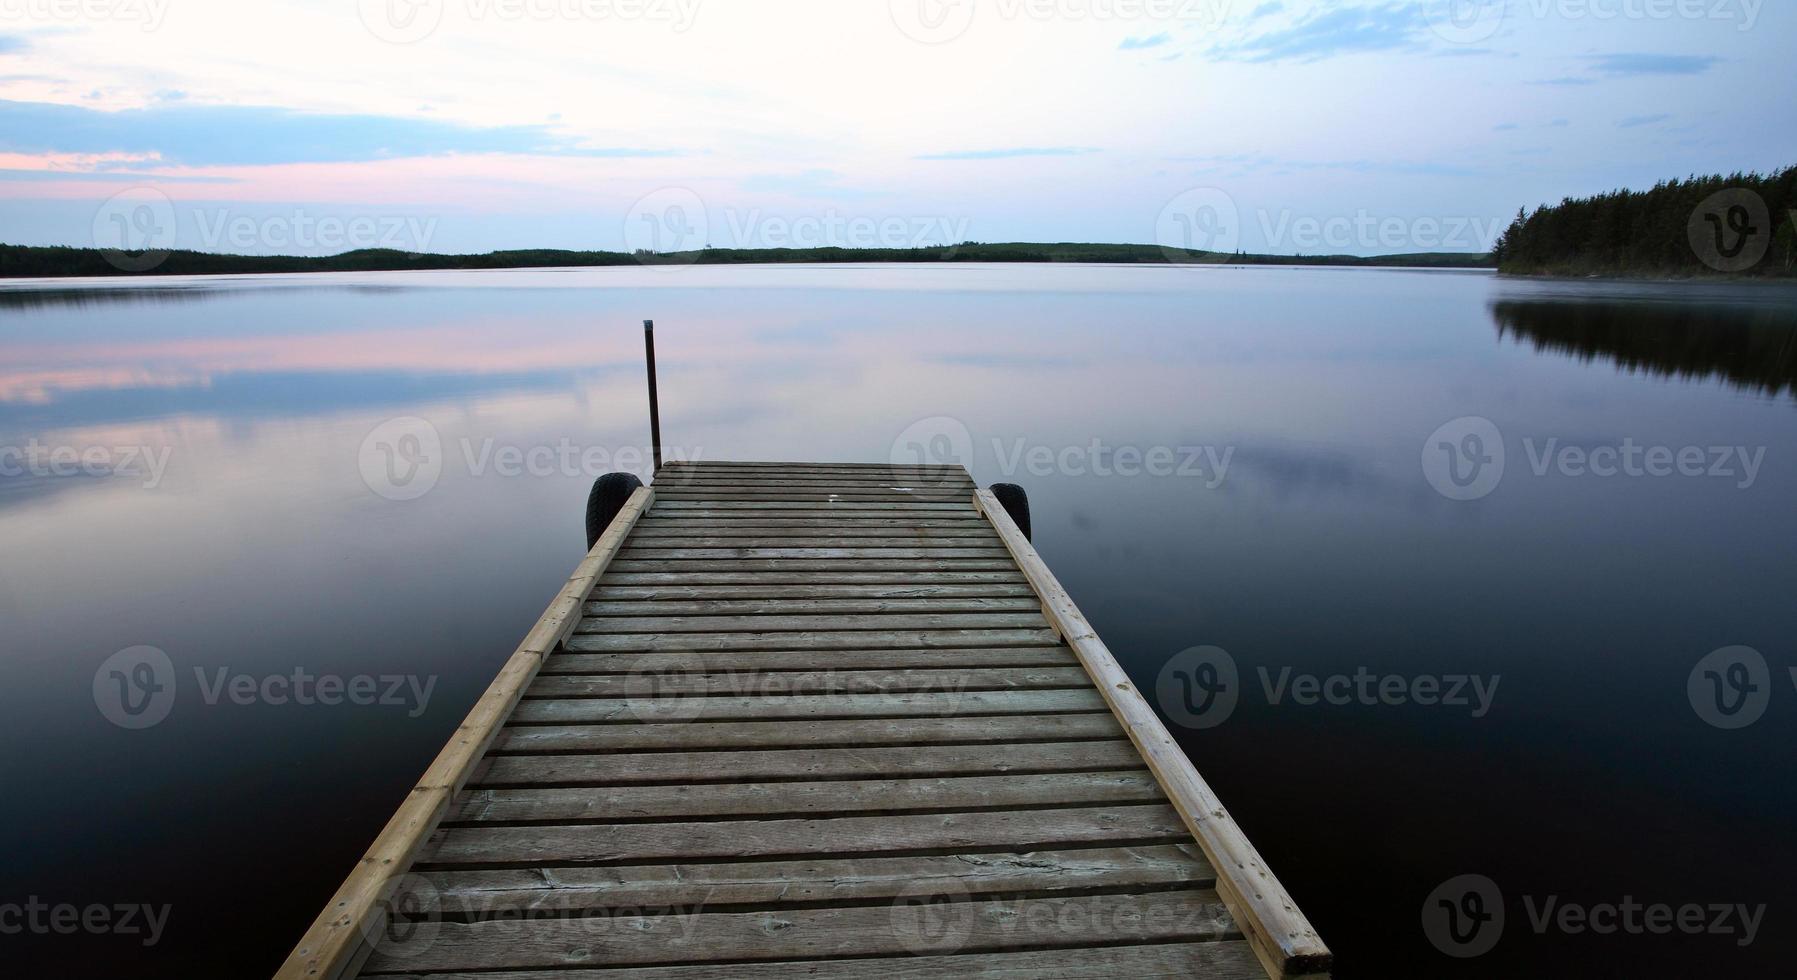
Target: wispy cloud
x,y
1012,153
1653,64
13,44
1634,122
257,135
1267,9
1141,43
1339,31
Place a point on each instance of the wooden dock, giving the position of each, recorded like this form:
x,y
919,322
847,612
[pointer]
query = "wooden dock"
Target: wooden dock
x,y
814,720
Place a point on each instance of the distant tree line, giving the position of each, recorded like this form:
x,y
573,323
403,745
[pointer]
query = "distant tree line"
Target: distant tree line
x,y
34,261
1741,224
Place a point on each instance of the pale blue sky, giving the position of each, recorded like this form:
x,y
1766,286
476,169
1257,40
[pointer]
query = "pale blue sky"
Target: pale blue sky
x,y
1359,126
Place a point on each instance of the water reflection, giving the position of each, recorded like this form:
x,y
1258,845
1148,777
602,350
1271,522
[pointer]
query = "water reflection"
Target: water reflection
x,y
1753,349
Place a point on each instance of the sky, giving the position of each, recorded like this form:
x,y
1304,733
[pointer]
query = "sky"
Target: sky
x,y
1341,126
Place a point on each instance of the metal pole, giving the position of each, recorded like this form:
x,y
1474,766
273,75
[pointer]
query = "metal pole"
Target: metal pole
x,y
654,404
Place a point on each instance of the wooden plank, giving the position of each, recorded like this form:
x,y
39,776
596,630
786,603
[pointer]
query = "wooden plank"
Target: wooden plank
x,y
932,704
689,577
820,640
797,660
563,890
889,509
637,552
1226,960
809,541
810,607
623,769
687,680
977,730
896,930
838,568
833,531
689,522
1012,830
810,625
1271,920
612,804
871,593
335,941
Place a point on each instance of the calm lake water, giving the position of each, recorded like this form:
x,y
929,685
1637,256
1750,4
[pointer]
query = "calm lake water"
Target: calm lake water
x,y
1314,430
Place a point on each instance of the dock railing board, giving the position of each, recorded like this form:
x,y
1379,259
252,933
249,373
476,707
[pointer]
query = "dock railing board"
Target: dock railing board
x,y
1282,937
810,719
341,937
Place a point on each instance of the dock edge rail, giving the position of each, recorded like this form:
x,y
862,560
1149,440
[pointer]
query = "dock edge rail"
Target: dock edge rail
x,y
1275,927
338,940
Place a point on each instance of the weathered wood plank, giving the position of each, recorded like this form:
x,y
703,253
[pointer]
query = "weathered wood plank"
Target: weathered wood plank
x,y
684,680
638,552
1270,919
801,660
839,569
673,737
1015,830
811,625
810,607
876,509
936,704
560,890
865,593
689,522
896,929
810,542
819,640
623,769
336,940
612,804
691,577
1225,960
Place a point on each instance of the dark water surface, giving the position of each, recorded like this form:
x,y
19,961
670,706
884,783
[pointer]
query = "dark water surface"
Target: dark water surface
x,y
1602,770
